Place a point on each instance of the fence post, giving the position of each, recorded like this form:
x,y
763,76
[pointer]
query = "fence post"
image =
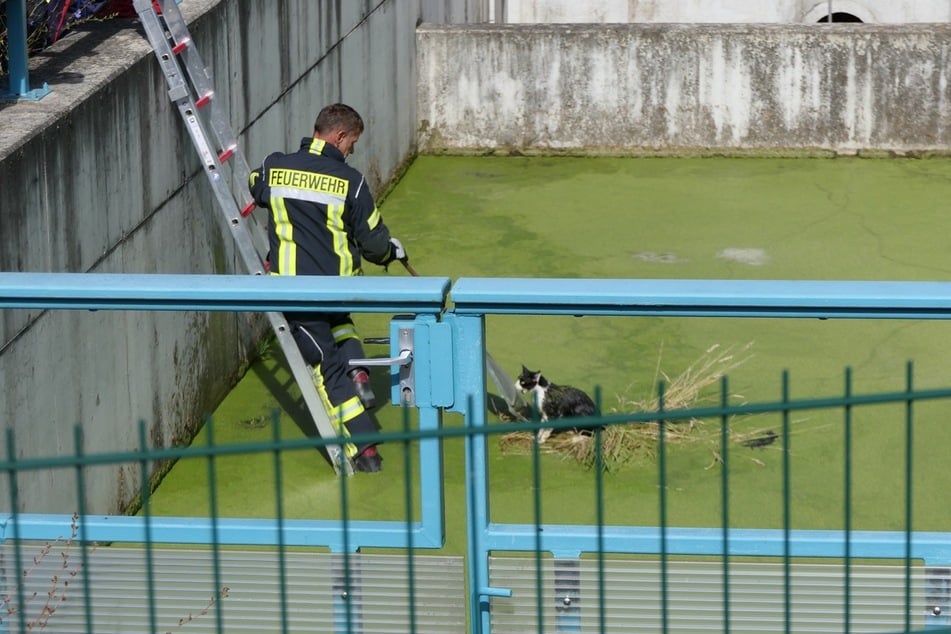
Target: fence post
x,y
347,593
937,597
18,57
567,595
469,376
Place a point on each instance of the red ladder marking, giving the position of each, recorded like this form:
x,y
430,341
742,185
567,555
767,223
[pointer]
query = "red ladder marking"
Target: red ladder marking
x,y
226,154
204,100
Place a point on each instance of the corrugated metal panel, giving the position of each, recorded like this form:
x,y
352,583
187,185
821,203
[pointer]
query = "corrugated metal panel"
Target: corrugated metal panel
x,y
183,585
633,596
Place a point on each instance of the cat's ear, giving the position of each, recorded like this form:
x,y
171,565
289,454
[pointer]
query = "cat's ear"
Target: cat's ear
x,y
538,375
526,370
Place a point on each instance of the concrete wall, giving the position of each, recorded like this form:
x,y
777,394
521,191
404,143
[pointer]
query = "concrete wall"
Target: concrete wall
x,y
719,11
637,88
100,176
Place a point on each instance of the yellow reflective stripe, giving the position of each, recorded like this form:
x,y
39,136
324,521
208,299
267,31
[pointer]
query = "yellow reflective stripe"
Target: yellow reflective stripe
x,y
346,331
374,218
349,409
287,249
252,178
337,413
338,236
316,146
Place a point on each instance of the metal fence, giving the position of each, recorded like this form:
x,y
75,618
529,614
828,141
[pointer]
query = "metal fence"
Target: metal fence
x,y
85,573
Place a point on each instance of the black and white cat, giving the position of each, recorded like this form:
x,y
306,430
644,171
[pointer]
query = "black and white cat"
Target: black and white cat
x,y
554,401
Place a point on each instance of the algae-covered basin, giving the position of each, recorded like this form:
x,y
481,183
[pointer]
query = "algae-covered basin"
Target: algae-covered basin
x,y
656,219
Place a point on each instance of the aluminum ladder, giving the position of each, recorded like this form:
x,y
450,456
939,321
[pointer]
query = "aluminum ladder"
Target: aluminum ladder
x,y
227,171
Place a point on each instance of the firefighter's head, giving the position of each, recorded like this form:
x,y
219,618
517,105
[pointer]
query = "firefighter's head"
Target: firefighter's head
x,y
340,125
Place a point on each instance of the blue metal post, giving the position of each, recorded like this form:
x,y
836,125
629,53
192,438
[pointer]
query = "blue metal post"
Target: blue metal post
x,y
469,379
432,365
19,88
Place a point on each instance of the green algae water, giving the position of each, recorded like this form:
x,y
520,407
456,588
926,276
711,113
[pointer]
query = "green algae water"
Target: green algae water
x,y
663,218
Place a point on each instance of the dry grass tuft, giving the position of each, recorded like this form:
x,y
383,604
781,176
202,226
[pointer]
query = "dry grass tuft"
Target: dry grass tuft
x,y
623,443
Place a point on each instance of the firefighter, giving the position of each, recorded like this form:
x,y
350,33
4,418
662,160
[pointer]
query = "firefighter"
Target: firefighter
x,y
324,222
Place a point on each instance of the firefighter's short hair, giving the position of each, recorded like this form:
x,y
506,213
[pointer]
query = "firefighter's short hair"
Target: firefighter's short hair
x,y
338,116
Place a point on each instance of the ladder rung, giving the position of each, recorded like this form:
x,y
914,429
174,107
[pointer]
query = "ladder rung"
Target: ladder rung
x,y
181,46
226,154
204,100
248,209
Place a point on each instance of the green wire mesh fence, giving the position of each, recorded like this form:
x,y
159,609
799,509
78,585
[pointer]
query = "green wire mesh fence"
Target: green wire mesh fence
x,y
212,573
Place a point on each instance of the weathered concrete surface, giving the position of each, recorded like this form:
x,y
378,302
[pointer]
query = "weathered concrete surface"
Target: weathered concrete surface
x,y
101,176
674,88
721,11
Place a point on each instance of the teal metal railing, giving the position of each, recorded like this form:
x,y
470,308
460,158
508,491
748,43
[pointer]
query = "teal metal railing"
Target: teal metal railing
x,y
473,299
449,375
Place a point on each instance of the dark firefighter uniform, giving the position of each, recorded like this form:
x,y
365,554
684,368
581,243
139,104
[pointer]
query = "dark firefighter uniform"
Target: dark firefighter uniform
x,y
323,221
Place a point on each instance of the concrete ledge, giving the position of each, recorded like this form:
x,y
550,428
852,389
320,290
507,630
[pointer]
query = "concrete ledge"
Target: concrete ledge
x,y
77,67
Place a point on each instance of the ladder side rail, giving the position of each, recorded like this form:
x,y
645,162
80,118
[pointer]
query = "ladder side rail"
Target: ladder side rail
x,y
200,75
250,256
211,109
180,94
340,456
